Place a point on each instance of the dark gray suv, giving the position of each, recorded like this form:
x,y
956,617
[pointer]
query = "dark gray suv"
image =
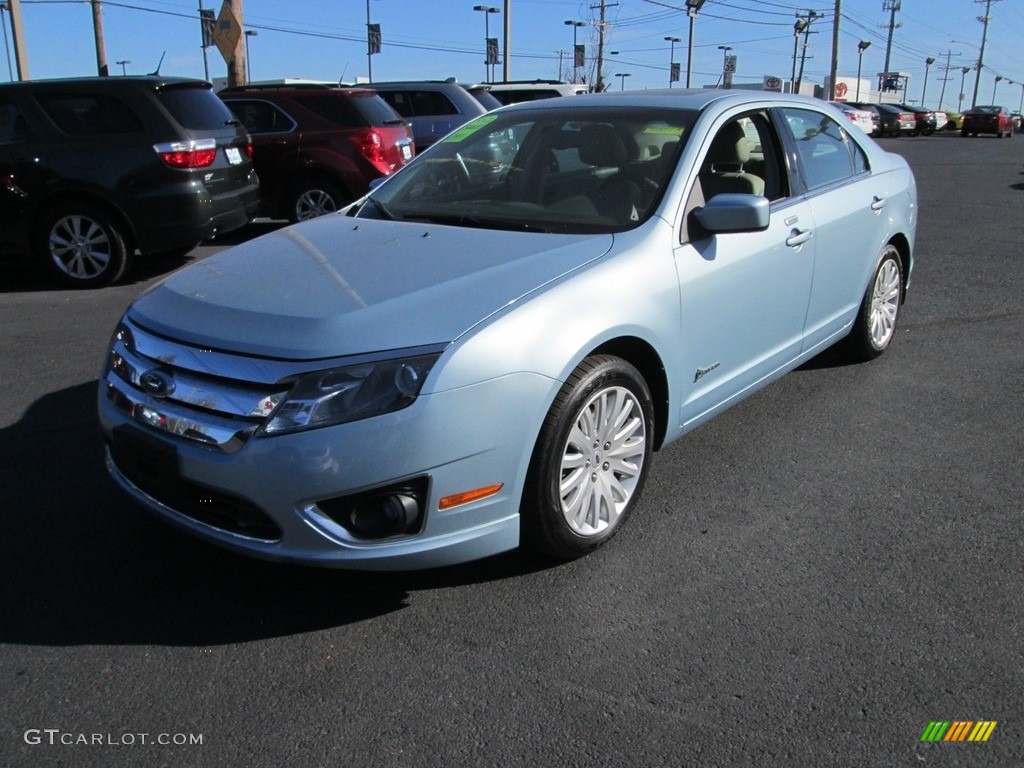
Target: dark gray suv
x,y
93,170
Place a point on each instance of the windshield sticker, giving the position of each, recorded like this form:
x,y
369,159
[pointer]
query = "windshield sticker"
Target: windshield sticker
x,y
470,128
665,130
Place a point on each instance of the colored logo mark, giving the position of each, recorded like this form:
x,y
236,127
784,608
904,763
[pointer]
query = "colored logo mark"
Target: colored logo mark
x,y
958,730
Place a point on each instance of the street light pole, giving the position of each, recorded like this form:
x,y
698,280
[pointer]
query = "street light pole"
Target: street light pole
x,y
248,61
725,60
927,65
862,46
575,26
960,102
996,83
622,79
798,27
487,11
692,8
671,57
122,63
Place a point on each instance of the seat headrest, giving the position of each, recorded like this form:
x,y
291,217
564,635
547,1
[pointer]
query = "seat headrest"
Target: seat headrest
x,y
731,145
601,145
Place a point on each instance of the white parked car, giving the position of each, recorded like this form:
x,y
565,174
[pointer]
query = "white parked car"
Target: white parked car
x,y
859,117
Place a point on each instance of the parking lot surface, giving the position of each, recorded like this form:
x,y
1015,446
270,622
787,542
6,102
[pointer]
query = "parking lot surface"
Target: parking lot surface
x,y
811,579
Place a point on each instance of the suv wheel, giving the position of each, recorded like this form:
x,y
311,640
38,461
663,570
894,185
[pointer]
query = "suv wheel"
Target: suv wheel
x,y
81,245
314,197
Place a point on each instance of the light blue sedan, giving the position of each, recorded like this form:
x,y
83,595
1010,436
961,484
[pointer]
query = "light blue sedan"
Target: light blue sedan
x,y
484,352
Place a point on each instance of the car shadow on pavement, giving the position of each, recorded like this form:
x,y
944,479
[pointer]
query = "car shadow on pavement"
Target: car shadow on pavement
x,y
81,563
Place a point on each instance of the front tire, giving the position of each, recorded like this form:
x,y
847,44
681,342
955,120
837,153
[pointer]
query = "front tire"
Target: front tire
x,y
875,326
81,245
590,462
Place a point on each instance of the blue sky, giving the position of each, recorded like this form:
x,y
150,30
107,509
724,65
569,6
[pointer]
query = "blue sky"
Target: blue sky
x,y
325,39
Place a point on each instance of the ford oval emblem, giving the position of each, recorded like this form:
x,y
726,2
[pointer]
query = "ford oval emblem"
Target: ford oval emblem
x,y
156,383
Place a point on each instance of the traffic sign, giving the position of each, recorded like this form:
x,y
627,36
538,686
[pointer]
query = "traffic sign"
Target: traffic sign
x,y
227,32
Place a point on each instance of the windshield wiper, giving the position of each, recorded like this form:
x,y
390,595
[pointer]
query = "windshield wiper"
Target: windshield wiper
x,y
382,209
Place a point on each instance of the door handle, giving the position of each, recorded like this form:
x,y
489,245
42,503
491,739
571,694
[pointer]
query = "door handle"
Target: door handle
x,y
877,203
798,237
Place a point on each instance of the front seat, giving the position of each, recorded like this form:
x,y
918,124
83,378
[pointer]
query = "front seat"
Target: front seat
x,y
602,147
723,168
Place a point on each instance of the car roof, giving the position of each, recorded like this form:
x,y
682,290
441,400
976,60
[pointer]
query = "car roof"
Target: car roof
x,y
677,98
153,81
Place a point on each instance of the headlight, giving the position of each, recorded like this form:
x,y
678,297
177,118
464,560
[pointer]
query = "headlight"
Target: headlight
x,y
348,394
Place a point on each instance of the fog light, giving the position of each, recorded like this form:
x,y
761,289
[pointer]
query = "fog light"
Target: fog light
x,y
382,516
394,510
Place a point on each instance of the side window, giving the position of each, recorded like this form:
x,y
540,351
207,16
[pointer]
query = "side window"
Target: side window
x,y
432,103
860,160
822,145
13,128
88,114
399,101
261,117
745,155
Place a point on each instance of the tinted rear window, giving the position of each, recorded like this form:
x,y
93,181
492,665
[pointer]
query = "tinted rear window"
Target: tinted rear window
x,y
195,107
89,114
350,110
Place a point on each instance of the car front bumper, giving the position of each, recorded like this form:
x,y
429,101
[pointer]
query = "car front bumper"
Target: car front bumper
x,y
455,441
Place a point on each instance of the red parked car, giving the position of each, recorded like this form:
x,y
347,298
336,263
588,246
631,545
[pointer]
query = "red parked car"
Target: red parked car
x,y
316,148
990,119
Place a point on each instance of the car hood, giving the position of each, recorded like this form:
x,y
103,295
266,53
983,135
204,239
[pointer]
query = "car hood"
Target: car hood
x,y
341,286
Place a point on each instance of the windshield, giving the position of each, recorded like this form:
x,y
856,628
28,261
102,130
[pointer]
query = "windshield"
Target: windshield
x,y
572,170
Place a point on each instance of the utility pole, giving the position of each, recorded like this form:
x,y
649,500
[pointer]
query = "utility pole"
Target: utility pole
x,y
599,80
834,71
811,16
18,36
892,6
236,67
97,26
981,55
942,94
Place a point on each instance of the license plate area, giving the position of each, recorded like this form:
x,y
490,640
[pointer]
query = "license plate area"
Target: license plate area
x,y
150,464
234,155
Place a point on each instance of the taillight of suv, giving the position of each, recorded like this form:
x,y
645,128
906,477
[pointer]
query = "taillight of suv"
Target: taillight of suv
x,y
371,146
189,154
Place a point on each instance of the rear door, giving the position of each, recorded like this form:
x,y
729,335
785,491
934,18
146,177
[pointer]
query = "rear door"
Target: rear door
x,y
847,201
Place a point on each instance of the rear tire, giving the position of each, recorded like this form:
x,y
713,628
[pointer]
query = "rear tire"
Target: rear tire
x,y
313,197
591,459
81,245
875,326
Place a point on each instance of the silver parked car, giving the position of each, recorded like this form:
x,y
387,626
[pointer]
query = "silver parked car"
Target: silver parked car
x,y
485,350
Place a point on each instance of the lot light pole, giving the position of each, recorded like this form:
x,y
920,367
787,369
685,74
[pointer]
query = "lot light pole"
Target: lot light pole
x,y
575,60
122,64
692,8
671,57
960,101
725,59
487,11
622,79
927,65
996,83
248,61
862,46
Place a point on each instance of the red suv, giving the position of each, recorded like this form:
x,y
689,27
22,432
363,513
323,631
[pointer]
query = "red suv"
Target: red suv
x,y
318,147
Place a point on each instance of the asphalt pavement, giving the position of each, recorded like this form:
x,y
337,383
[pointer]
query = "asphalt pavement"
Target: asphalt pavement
x,y
811,579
